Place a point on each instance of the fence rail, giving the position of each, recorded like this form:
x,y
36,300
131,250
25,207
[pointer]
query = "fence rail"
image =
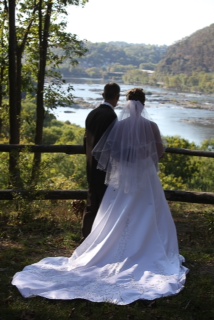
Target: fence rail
x,y
179,196
79,149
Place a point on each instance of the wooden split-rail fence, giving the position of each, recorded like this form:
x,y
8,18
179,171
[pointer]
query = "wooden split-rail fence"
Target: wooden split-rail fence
x,y
179,196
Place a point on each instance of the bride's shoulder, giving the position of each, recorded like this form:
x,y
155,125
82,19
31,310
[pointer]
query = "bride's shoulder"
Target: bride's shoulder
x,y
153,124
150,122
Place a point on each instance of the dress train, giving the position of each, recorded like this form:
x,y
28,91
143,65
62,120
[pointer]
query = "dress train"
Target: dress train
x,y
132,253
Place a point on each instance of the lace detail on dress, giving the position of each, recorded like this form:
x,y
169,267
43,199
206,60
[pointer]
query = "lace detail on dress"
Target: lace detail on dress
x,y
99,284
123,241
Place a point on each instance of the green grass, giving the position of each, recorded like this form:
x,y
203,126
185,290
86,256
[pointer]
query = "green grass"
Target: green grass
x,y
43,228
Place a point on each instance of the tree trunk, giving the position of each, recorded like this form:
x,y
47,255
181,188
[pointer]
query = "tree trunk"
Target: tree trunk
x,y
40,109
2,67
1,94
15,178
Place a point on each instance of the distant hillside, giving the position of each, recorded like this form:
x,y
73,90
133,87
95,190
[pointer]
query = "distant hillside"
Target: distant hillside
x,y
107,55
111,53
192,54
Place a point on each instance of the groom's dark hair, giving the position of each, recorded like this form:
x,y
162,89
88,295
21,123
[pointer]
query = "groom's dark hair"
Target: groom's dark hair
x,y
111,91
136,94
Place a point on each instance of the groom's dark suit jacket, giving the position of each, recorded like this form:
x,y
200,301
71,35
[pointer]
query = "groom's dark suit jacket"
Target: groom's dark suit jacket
x,y
97,121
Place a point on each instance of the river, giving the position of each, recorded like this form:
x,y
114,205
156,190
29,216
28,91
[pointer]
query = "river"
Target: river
x,y
170,110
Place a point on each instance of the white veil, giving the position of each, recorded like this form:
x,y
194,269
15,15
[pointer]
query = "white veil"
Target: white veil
x,y
129,148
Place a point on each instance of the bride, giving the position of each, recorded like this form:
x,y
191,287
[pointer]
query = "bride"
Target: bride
x,y
132,251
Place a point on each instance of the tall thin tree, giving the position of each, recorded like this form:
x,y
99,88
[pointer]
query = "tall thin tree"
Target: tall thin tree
x,y
14,114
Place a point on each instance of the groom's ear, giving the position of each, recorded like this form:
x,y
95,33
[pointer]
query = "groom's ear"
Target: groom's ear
x,y
117,97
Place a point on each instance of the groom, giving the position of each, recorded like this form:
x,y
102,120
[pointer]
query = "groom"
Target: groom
x,y
97,121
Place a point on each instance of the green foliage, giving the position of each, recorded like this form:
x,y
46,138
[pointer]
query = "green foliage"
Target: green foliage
x,y
120,68
170,182
182,172
4,168
148,66
79,174
178,170
136,76
195,82
51,135
61,171
29,31
94,72
28,120
28,35
208,145
204,180
58,171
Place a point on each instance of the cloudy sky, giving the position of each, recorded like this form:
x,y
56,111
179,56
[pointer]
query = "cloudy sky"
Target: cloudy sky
x,y
140,21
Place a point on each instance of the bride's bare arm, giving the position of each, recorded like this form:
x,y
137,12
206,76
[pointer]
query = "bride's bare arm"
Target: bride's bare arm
x,y
158,139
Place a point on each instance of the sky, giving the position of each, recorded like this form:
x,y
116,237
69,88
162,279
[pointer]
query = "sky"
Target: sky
x,y
158,22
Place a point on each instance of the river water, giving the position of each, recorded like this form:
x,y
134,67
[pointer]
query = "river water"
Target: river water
x,y
168,109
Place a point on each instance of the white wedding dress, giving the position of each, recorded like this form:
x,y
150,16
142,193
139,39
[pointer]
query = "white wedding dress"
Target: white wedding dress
x,y
132,253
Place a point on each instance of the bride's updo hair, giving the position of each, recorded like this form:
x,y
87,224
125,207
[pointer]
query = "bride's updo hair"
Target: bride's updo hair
x,y
136,94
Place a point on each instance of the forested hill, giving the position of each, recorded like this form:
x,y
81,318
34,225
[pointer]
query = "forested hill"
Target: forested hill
x,y
192,54
106,54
